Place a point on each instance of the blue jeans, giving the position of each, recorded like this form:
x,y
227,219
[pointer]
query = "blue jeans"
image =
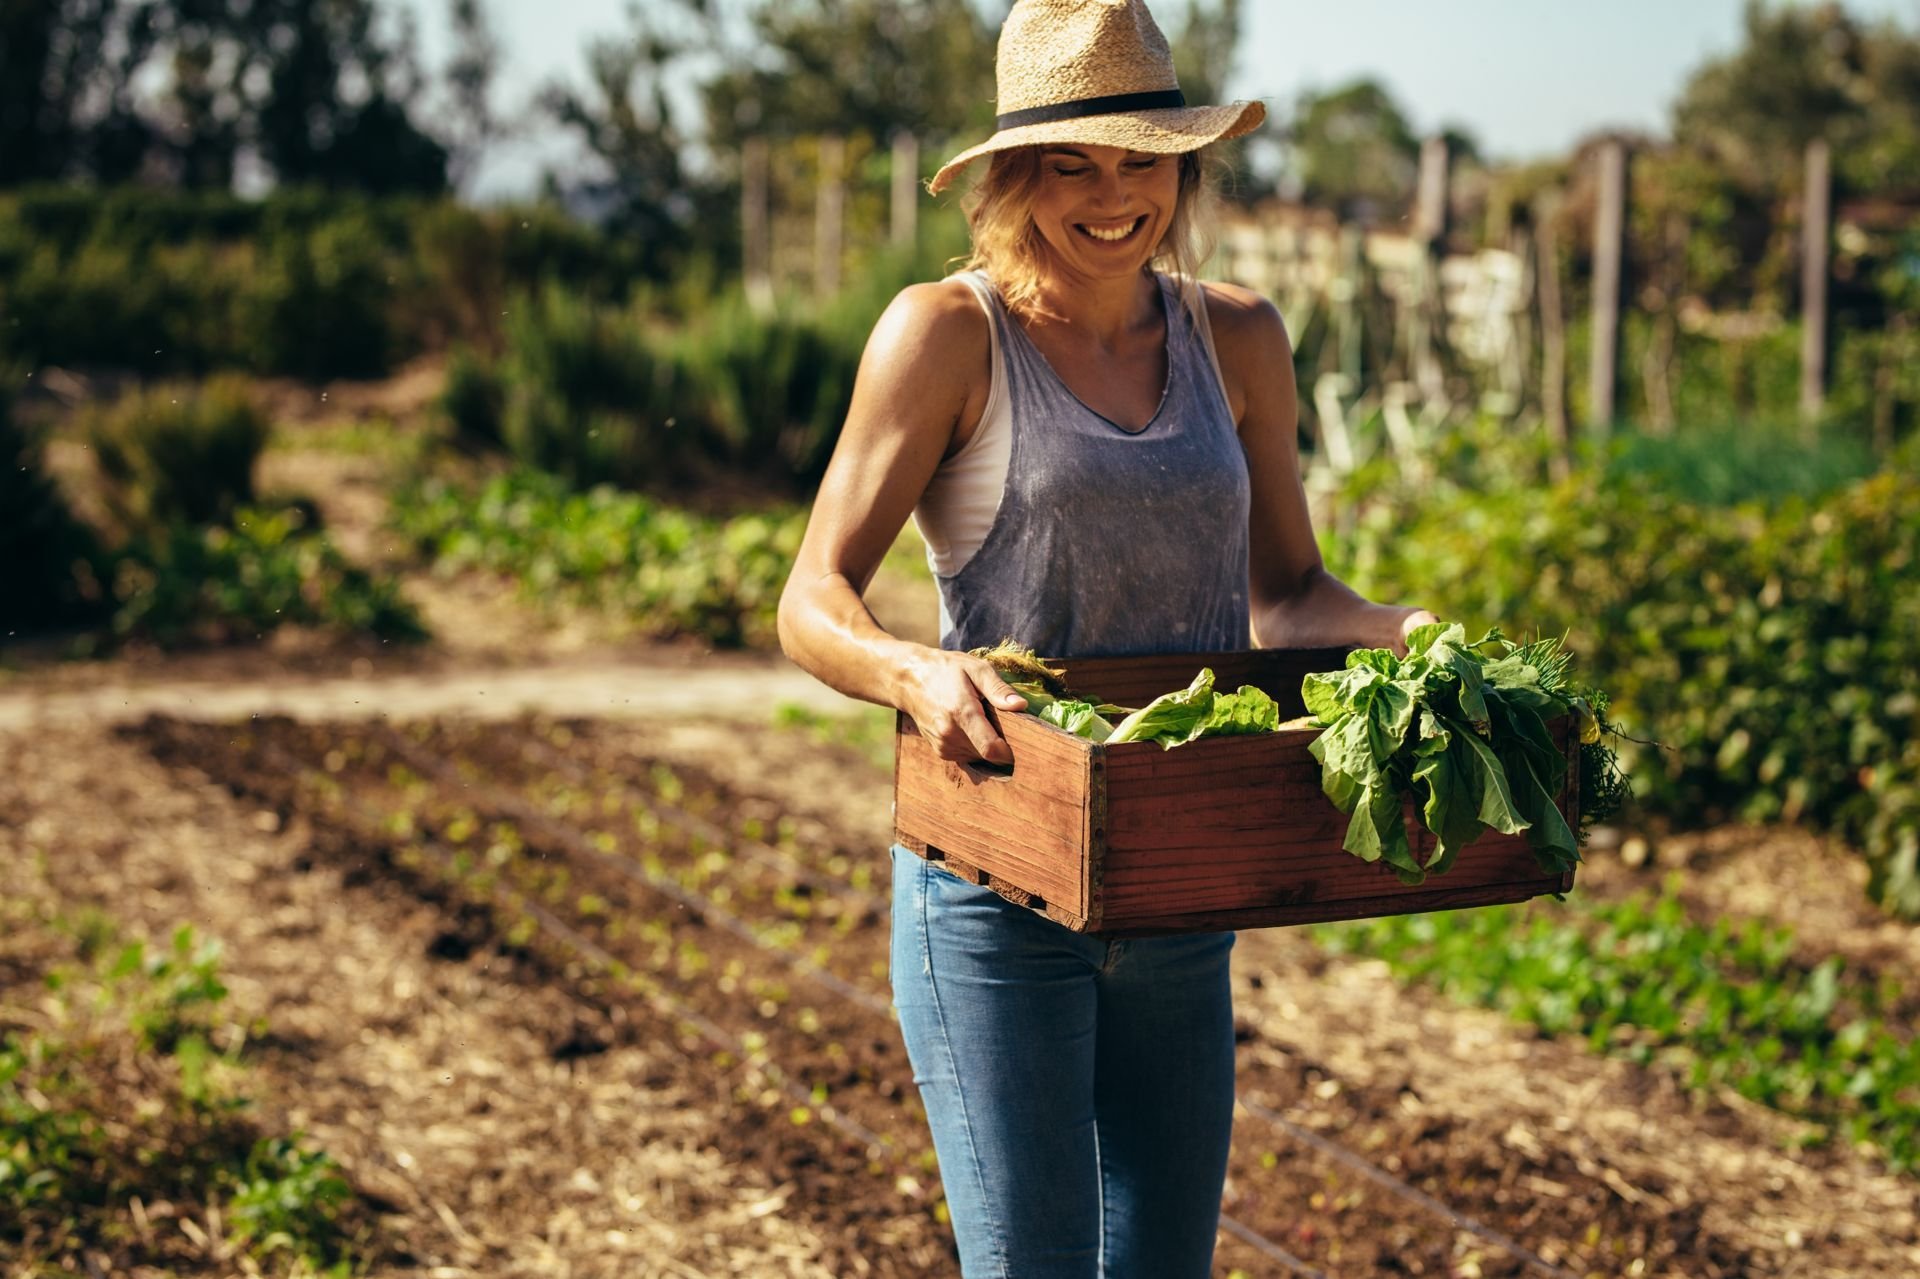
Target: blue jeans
x,y
1080,1091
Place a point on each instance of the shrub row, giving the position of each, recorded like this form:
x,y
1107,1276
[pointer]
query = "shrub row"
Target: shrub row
x,y
609,394
1772,650
670,573
304,283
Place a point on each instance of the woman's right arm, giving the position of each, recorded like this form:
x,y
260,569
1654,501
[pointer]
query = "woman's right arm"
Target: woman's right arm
x,y
924,373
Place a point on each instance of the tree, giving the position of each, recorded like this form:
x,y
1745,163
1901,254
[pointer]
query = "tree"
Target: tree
x,y
336,109
855,66
627,122
470,72
1353,149
67,107
313,86
1806,72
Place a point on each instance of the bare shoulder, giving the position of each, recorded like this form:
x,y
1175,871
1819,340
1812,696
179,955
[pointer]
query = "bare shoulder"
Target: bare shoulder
x,y
934,326
1243,319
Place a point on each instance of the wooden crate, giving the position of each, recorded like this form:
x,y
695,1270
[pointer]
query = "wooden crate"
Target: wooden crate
x,y
1233,832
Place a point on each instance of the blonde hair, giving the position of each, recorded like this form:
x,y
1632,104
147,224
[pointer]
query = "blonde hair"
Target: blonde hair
x,y
1007,245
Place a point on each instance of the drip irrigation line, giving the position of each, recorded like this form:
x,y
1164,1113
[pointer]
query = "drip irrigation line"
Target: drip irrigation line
x,y
710,911
1381,1177
668,1005
693,824
1268,1247
572,839
663,1002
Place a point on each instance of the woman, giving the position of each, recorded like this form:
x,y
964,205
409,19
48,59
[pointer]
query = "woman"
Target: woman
x,y
1102,459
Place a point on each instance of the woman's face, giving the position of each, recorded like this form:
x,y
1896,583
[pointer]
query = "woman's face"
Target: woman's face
x,y
1102,211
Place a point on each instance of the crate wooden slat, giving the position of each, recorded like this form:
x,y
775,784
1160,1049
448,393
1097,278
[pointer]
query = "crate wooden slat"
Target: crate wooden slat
x,y
1134,840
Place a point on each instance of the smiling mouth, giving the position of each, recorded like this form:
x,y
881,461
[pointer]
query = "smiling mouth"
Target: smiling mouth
x,y
1112,233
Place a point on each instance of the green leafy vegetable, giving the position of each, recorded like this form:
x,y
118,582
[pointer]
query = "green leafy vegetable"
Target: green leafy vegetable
x,y
1462,734
1079,718
1247,710
1171,718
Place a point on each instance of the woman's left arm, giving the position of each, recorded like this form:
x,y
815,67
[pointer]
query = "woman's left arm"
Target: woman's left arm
x,y
1295,601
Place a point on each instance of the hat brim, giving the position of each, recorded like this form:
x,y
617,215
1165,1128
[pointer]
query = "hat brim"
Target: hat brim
x,y
1168,131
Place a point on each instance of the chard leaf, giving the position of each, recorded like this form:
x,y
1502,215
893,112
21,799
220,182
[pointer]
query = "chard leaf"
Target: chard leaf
x,y
1553,843
1378,831
1331,695
1171,718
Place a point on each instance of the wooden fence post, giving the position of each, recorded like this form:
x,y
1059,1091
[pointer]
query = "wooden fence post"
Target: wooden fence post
x,y
756,267
1609,231
829,214
1553,330
1429,231
1816,231
903,222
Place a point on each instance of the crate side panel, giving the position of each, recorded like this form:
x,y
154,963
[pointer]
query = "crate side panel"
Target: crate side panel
x,y
1242,823
1028,827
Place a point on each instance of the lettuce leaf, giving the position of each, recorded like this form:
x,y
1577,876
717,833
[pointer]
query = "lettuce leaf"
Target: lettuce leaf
x,y
1172,718
1079,718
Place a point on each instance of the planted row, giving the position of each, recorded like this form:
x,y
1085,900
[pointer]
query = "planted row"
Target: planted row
x,y
1723,1003
128,1093
667,571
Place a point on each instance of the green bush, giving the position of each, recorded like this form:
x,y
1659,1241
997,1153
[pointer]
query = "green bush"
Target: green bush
x,y
1773,650
216,583
473,399
307,282
40,541
178,454
622,395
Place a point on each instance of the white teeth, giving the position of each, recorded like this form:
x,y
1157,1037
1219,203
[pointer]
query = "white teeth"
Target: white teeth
x,y
1116,233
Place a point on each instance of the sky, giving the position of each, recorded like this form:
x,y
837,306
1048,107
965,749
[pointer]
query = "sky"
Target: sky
x,y
1527,78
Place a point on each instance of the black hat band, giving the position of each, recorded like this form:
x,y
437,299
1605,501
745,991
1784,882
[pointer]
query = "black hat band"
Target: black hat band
x,y
1112,104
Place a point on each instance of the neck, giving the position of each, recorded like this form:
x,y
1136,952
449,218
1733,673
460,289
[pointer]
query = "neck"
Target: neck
x,y
1107,308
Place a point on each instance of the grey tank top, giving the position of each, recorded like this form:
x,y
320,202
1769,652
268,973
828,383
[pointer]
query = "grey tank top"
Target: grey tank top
x,y
1109,541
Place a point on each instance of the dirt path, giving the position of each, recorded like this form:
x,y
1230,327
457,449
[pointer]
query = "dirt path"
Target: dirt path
x,y
672,686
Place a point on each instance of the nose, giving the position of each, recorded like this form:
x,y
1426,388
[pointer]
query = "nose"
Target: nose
x,y
1108,188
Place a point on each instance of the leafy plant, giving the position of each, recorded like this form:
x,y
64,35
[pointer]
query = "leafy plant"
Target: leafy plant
x,y
287,1198
668,571
175,453
1724,1004
1465,737
214,583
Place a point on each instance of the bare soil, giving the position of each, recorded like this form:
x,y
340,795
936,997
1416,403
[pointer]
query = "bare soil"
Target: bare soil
x,y
504,1108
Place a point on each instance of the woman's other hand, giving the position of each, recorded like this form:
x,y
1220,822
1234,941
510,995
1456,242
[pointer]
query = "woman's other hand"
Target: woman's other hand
x,y
943,692
1414,619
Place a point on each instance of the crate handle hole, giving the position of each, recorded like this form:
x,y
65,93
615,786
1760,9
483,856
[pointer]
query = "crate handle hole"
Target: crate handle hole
x,y
986,771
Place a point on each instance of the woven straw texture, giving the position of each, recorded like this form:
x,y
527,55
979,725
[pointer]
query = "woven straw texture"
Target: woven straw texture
x,y
1054,51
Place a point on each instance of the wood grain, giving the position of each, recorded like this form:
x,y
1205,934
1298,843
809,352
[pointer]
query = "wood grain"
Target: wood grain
x,y
1231,832
1029,826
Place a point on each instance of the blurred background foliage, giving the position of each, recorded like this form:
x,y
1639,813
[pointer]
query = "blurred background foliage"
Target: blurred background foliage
x,y
194,193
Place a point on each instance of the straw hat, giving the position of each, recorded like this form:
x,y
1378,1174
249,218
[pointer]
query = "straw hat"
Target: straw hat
x,y
1096,72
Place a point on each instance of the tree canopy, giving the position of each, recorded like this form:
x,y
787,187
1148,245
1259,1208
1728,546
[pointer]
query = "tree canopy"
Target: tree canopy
x,y
1806,72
